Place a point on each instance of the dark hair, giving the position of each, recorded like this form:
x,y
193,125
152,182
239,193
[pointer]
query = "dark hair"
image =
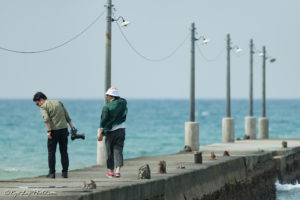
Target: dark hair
x,y
38,96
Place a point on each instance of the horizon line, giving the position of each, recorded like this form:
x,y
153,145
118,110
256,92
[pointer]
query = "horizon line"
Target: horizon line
x,y
154,98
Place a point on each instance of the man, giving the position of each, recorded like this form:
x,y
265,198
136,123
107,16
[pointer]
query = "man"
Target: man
x,y
112,125
56,118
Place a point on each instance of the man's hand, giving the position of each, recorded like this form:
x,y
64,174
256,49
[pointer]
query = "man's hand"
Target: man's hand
x,y
100,137
49,136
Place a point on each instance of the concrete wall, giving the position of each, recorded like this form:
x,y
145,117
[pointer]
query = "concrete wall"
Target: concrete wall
x,y
288,166
238,178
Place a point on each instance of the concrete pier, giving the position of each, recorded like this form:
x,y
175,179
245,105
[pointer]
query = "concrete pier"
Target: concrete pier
x,y
250,127
191,137
101,152
227,129
249,172
263,128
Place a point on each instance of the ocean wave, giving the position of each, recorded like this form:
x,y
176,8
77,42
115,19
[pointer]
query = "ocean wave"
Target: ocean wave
x,y
8,173
12,169
286,187
205,113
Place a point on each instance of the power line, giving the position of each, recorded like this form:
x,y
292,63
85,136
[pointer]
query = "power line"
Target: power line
x,y
151,59
59,45
208,59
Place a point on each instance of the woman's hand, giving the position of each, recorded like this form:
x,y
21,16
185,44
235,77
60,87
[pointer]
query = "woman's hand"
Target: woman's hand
x,y
100,134
100,137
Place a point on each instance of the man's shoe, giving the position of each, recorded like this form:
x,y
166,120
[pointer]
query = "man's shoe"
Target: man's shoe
x,y
51,175
64,174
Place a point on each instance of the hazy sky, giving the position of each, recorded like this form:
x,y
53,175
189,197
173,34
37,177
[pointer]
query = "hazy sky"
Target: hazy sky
x,y
157,28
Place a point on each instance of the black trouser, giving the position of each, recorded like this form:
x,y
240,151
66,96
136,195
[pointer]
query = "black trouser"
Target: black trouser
x,y
114,143
60,136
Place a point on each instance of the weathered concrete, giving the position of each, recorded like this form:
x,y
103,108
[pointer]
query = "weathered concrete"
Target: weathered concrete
x,y
101,152
288,166
191,137
248,173
227,129
250,127
263,128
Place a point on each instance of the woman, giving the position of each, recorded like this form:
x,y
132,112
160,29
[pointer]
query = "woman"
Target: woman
x,y
112,125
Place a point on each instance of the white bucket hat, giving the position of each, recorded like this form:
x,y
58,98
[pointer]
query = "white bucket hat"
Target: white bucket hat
x,y
113,92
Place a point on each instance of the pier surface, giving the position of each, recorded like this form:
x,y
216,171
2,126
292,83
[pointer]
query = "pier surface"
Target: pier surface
x,y
249,159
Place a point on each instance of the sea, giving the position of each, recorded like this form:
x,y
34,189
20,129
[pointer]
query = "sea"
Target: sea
x,y
153,127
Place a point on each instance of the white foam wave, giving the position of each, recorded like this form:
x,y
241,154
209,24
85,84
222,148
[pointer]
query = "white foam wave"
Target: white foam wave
x,y
12,169
286,187
205,113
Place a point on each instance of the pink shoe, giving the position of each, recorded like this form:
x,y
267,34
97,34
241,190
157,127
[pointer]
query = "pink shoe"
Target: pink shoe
x,y
117,175
109,174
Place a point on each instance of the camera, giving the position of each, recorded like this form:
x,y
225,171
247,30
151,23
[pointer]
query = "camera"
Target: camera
x,y
75,136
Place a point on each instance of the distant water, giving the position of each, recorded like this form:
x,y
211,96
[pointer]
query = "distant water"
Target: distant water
x,y
153,127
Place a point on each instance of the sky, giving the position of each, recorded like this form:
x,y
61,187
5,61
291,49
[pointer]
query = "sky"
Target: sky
x,y
76,70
